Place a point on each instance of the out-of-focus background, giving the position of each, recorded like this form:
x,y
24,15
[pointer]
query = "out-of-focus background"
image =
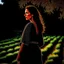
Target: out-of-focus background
x,y
12,23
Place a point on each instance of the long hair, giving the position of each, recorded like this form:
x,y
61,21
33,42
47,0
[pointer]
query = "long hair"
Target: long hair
x,y
37,17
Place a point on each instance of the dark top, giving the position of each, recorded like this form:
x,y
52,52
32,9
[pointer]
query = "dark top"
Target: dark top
x,y
29,35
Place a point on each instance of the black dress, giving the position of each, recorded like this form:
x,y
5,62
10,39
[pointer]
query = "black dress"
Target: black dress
x,y
31,53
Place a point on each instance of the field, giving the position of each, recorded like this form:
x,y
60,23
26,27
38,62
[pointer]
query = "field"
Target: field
x,y
51,52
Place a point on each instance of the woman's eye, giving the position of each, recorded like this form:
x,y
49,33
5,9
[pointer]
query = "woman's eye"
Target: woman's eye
x,y
26,12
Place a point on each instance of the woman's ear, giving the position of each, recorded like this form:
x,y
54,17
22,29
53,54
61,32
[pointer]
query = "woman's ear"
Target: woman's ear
x,y
32,15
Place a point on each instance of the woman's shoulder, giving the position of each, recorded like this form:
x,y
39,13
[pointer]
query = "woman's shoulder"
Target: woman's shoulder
x,y
30,25
26,26
30,28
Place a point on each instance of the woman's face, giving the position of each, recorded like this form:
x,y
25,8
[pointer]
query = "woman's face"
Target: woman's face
x,y
27,14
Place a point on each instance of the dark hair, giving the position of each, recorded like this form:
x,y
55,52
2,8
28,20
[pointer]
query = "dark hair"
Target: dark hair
x,y
37,17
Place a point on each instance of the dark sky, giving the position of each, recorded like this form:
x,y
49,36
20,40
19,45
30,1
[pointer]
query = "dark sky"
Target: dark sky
x,y
49,4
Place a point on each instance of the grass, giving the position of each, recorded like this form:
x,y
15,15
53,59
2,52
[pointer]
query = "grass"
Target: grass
x,y
13,44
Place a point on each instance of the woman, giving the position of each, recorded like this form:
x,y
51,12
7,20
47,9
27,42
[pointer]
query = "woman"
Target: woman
x,y
32,40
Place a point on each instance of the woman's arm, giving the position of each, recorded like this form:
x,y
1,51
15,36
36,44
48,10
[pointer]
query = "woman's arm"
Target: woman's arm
x,y
20,50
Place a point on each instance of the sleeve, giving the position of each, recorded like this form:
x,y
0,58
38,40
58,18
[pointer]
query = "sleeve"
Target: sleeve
x,y
29,34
